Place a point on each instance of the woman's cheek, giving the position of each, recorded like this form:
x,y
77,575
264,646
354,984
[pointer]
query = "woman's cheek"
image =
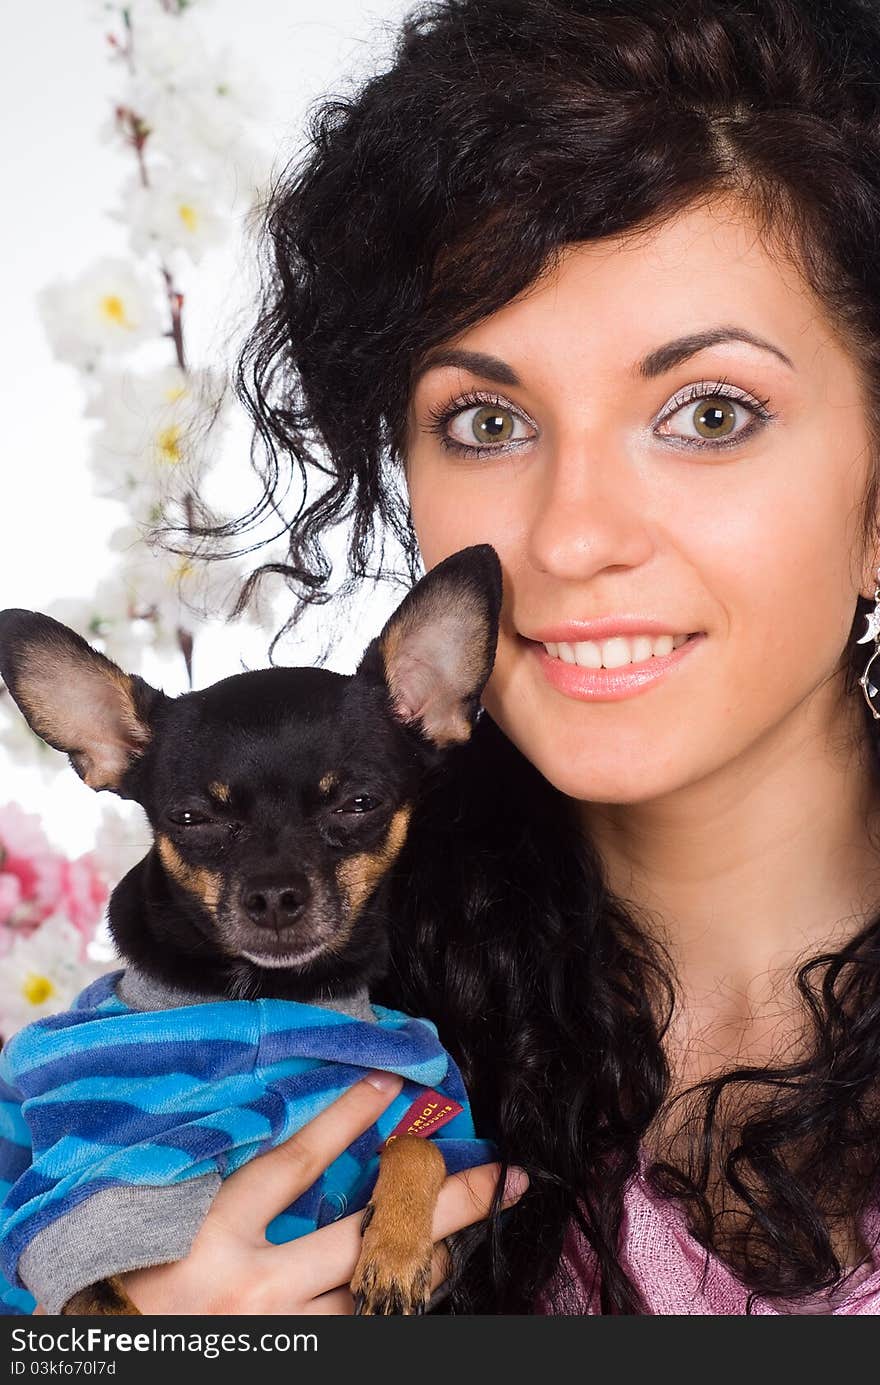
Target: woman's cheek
x,y
451,511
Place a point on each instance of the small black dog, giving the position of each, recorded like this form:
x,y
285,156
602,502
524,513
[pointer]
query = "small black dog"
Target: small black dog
x,y
279,800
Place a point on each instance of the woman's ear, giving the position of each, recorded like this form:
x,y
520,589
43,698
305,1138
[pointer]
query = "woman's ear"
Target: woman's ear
x,y
75,698
437,650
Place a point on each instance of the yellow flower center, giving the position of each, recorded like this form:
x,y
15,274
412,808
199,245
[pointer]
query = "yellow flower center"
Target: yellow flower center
x,y
113,308
37,989
181,572
189,216
168,443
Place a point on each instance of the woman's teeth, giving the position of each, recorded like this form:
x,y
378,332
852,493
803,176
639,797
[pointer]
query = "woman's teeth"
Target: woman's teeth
x,y
616,652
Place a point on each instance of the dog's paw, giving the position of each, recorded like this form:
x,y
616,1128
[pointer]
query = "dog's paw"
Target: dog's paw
x,y
393,1273
392,1276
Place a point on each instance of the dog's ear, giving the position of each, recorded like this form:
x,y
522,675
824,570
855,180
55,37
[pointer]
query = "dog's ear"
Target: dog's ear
x,y
74,698
436,652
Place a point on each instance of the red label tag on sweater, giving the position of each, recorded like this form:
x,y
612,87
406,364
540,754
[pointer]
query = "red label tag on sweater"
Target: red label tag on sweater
x,y
427,1113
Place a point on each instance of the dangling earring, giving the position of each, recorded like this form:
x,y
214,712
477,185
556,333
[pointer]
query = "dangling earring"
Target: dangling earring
x,y
872,632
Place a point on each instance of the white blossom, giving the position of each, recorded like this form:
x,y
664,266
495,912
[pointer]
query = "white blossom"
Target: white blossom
x,y
195,106
158,433
109,623
175,58
43,972
178,211
109,308
174,585
183,85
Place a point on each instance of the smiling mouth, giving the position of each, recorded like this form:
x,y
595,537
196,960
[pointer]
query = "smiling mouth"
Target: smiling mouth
x,y
615,653
599,684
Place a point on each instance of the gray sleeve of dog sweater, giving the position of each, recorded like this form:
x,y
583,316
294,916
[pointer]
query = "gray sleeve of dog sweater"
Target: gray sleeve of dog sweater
x,y
116,1229
121,1228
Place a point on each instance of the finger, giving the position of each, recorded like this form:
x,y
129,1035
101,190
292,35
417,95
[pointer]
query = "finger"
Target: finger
x,y
337,1301
249,1198
465,1197
326,1258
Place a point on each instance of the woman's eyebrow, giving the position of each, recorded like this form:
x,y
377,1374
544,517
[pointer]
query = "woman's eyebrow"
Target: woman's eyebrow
x,y
674,352
657,362
477,362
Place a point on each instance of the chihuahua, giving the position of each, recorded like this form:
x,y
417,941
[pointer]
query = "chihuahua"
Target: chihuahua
x,y
278,800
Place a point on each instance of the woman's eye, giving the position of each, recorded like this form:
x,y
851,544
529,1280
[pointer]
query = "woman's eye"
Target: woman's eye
x,y
188,817
486,424
477,425
710,415
712,418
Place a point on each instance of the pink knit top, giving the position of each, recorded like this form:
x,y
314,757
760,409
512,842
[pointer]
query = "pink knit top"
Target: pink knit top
x,y
677,1276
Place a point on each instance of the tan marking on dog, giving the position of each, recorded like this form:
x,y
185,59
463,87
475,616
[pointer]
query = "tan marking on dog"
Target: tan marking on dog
x,y
358,876
393,1271
204,884
328,782
221,792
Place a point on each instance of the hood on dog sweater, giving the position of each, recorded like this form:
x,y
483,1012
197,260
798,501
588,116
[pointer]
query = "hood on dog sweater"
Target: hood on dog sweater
x,y
118,1124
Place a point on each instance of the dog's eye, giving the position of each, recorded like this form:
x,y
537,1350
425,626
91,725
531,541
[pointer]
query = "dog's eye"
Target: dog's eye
x,y
362,803
188,817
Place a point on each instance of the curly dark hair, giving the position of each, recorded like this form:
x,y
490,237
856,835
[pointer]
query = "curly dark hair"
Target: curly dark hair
x,y
502,131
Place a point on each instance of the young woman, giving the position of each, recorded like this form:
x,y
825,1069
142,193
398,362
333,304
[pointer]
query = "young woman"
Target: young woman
x,y
596,281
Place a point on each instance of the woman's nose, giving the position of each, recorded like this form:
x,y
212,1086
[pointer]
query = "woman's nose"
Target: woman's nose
x,y
590,511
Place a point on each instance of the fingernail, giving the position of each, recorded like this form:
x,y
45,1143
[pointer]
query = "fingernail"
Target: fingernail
x,y
384,1081
515,1183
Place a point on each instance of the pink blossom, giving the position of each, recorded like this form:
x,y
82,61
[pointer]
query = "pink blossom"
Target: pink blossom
x,y
10,895
84,893
26,856
36,881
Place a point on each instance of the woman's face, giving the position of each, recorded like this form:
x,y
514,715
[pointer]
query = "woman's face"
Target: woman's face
x,y
712,489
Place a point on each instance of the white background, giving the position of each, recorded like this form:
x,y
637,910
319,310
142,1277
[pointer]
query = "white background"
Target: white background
x,y
60,179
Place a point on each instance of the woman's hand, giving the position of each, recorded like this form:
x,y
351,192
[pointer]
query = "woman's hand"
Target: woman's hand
x,y
232,1268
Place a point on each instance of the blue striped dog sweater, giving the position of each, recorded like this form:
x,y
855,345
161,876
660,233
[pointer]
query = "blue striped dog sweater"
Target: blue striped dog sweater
x,y
117,1124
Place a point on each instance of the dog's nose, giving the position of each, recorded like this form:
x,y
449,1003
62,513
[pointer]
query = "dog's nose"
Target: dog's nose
x,y
276,903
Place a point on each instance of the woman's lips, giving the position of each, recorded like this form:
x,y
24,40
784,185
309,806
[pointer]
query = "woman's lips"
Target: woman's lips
x,y
609,684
